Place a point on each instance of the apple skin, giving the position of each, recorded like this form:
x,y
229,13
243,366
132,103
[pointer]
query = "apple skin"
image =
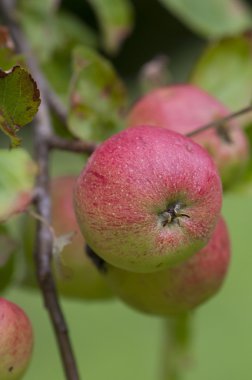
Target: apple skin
x,y
78,277
178,289
133,184
16,341
184,108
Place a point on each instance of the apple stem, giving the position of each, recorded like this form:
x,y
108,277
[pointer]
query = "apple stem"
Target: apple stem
x,y
218,122
176,346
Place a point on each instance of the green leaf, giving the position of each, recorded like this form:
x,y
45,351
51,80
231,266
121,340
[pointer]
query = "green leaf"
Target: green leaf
x,y
19,101
97,97
52,34
116,21
17,181
8,247
73,31
225,71
212,18
37,19
50,31
56,61
44,7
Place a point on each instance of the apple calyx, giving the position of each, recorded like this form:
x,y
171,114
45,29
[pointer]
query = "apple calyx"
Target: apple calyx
x,y
172,215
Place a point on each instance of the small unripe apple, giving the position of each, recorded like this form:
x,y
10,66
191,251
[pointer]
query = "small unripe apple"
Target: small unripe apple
x,y
75,274
180,288
184,108
16,341
147,199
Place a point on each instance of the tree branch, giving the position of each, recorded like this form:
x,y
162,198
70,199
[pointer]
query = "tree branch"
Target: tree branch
x,y
43,249
176,348
218,122
77,146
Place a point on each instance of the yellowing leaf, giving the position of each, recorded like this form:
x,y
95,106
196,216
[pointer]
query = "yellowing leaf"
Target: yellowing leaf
x,y
19,101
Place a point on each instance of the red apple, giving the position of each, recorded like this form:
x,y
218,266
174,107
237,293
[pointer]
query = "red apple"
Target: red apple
x,y
184,108
148,198
180,288
16,341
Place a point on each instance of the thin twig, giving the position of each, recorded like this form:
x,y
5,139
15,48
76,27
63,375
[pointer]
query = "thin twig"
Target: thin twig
x,y
218,122
43,251
77,146
176,350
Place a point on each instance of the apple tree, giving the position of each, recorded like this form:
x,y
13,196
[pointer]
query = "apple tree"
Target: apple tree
x,y
125,154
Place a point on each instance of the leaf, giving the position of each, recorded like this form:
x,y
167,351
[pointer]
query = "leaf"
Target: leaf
x,y
225,71
212,18
17,181
51,31
97,97
19,101
116,21
56,63
8,247
52,34
44,7
74,31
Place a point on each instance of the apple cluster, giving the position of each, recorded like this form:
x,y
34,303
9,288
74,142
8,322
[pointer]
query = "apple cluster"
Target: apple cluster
x,y
149,201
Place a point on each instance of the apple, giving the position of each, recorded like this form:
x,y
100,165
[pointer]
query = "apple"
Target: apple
x,y
147,199
75,274
178,289
16,341
184,108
